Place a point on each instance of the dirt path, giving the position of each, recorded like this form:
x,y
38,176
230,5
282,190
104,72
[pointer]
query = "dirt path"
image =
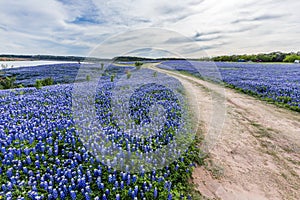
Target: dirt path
x,y
254,147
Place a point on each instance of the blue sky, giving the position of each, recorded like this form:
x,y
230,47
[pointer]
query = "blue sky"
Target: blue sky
x,y
191,28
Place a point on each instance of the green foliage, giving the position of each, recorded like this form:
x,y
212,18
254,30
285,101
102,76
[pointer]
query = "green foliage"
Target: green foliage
x,y
154,74
88,77
291,58
7,82
47,81
128,74
112,77
20,86
284,99
129,59
263,57
138,65
21,92
44,82
102,66
38,84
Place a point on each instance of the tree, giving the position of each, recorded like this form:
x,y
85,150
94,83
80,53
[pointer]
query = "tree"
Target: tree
x,y
291,58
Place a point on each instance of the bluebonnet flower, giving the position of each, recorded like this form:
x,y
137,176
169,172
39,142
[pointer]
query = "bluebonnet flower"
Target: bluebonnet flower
x,y
73,195
107,192
62,195
110,179
155,193
122,185
87,196
134,178
28,160
55,193
66,167
116,184
9,172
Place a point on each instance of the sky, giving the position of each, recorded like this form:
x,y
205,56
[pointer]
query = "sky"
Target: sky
x,y
153,28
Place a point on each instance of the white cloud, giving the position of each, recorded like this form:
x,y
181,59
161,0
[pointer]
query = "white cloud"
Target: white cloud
x,y
214,26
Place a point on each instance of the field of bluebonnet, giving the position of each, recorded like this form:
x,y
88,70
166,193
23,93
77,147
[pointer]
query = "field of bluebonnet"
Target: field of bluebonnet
x,y
276,83
46,154
53,147
60,73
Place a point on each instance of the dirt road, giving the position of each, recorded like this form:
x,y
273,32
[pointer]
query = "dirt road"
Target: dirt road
x,y
254,147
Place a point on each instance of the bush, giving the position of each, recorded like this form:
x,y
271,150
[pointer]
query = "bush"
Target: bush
x,y
47,81
88,77
44,82
7,82
20,86
138,65
128,74
291,58
38,84
112,77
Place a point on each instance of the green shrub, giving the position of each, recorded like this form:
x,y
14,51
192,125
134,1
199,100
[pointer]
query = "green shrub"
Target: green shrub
x,y
44,82
128,74
88,77
7,82
20,86
112,77
291,58
47,81
38,84
138,65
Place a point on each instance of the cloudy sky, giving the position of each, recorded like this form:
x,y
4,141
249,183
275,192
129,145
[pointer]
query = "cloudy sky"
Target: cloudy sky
x,y
107,28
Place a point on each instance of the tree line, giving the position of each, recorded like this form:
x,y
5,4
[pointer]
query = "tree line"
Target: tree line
x,y
264,57
49,57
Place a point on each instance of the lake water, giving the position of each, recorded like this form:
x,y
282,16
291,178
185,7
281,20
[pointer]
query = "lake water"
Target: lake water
x,y
16,64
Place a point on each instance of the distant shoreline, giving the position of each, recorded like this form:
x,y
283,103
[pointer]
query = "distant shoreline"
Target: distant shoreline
x,y
13,59
29,63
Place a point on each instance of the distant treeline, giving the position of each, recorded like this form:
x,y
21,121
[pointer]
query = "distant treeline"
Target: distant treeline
x,y
133,58
266,57
80,59
49,57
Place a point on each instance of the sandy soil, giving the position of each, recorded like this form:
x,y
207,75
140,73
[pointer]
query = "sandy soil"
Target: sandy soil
x,y
253,147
